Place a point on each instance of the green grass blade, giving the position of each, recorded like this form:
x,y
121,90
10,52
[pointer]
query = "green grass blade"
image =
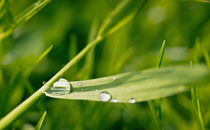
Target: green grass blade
x,y
194,91
41,120
161,54
110,17
10,89
29,12
25,16
155,106
87,70
206,56
73,46
122,60
109,28
37,61
196,106
143,86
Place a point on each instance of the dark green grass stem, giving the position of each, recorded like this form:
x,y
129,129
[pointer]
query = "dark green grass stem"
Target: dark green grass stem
x,y
155,106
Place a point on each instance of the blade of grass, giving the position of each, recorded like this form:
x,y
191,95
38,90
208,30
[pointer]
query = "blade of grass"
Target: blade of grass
x,y
194,91
142,86
206,56
41,120
37,61
20,109
23,76
155,106
110,17
196,106
24,16
73,46
122,60
10,89
87,70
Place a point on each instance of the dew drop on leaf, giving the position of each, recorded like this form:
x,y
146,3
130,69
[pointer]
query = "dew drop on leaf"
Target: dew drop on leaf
x,y
132,100
61,87
80,84
104,96
37,4
114,100
114,77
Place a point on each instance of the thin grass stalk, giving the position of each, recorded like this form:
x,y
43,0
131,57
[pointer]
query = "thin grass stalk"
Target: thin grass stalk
x,y
195,96
196,107
155,106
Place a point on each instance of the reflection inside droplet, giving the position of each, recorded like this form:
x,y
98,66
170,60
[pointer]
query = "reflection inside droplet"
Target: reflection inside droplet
x,y
104,96
61,87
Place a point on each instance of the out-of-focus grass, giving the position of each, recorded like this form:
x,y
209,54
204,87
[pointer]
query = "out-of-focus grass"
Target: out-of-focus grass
x,y
132,48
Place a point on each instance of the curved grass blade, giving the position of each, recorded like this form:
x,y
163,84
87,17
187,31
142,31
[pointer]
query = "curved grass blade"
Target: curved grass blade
x,y
141,86
41,120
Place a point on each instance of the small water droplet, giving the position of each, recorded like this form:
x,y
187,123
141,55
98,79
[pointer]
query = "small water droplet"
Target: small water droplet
x,y
114,100
114,77
37,4
62,86
104,78
43,82
80,84
104,96
82,89
132,100
91,94
96,90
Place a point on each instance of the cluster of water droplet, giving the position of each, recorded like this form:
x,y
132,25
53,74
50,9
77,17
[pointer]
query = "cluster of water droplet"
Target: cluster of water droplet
x,y
61,87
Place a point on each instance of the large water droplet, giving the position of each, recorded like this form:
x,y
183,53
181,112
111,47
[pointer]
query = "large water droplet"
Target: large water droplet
x,y
114,77
105,96
132,100
114,100
60,87
80,84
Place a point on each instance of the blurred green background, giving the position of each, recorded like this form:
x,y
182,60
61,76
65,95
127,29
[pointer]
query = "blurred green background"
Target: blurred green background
x,y
66,25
